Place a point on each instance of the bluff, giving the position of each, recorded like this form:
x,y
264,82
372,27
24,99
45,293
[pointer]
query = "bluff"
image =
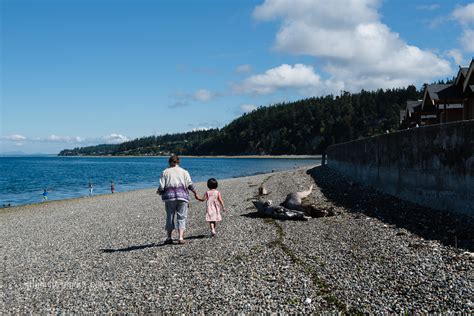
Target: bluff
x,y
306,126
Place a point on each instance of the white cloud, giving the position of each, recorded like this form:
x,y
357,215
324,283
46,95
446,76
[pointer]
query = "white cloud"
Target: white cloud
x,y
109,139
202,95
246,108
244,68
201,128
300,77
464,14
183,99
467,40
115,139
62,139
356,48
429,7
14,138
456,55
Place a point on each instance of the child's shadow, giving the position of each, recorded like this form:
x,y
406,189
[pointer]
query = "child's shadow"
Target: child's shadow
x,y
152,245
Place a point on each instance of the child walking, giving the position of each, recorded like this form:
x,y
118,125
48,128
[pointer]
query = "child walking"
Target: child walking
x,y
214,201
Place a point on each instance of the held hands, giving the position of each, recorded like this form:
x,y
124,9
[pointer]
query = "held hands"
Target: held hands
x,y
196,196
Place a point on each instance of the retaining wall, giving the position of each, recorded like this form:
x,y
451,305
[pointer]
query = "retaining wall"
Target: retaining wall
x,y
432,166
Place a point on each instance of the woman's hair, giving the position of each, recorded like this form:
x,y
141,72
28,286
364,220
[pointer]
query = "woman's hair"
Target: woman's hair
x,y
212,183
174,160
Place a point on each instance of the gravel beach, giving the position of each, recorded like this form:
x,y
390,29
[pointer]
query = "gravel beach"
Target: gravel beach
x,y
106,254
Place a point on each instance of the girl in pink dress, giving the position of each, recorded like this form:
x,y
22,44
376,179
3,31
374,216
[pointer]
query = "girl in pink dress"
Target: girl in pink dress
x,y
213,200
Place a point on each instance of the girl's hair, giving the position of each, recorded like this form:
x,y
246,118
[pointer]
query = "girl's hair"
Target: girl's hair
x,y
212,183
174,160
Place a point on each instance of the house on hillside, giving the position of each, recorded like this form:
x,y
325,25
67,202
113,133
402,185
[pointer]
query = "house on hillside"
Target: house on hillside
x,y
443,103
411,116
466,82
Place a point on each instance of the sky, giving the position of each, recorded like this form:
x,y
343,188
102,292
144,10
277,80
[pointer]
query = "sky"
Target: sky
x,y
83,72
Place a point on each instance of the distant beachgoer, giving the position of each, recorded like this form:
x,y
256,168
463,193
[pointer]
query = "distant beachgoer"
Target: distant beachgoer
x,y
45,194
91,188
214,201
112,187
175,183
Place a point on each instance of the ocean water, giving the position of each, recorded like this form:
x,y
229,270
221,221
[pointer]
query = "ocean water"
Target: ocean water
x,y
22,179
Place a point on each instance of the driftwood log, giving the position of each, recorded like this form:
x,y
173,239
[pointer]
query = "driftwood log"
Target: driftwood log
x,y
279,212
294,201
293,208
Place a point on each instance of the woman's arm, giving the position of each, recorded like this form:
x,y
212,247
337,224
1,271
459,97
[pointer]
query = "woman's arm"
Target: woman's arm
x,y
188,183
161,187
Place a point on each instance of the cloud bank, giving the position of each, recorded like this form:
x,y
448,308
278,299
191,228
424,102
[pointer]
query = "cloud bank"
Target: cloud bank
x,y
184,99
298,76
247,108
464,15
243,68
73,140
202,95
14,138
357,50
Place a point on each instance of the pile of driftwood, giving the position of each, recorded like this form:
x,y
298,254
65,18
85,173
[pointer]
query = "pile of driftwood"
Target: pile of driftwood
x,y
293,208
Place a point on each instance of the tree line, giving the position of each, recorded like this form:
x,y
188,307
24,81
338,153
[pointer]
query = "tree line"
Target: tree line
x,y
306,126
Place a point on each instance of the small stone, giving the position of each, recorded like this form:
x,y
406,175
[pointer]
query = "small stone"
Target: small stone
x,y
468,254
307,301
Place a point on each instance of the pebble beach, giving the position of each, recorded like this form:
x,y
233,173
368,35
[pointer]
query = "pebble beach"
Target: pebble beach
x,y
105,254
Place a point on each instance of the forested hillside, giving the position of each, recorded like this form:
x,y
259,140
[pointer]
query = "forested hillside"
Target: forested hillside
x,y
303,127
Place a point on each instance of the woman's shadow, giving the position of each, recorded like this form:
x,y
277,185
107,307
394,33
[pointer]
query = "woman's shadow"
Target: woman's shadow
x,y
145,246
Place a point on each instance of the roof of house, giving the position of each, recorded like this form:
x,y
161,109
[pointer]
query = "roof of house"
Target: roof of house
x,y
461,75
469,80
411,105
444,93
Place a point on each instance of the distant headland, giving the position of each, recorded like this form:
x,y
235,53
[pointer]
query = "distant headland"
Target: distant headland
x,y
304,127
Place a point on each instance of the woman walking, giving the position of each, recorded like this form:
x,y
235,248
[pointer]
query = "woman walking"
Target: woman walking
x,y
175,184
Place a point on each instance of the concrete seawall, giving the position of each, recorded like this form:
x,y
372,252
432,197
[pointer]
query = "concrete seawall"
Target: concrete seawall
x,y
432,166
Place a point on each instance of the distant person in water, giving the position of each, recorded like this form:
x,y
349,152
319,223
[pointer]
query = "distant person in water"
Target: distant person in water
x,y
91,188
214,203
175,184
45,194
112,187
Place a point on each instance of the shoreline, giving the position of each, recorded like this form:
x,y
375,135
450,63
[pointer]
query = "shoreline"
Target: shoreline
x,y
102,195
133,186
207,156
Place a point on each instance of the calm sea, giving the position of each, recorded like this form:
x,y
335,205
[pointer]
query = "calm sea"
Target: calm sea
x,y
22,179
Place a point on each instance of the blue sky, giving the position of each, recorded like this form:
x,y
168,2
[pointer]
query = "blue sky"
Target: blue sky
x,y
82,72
